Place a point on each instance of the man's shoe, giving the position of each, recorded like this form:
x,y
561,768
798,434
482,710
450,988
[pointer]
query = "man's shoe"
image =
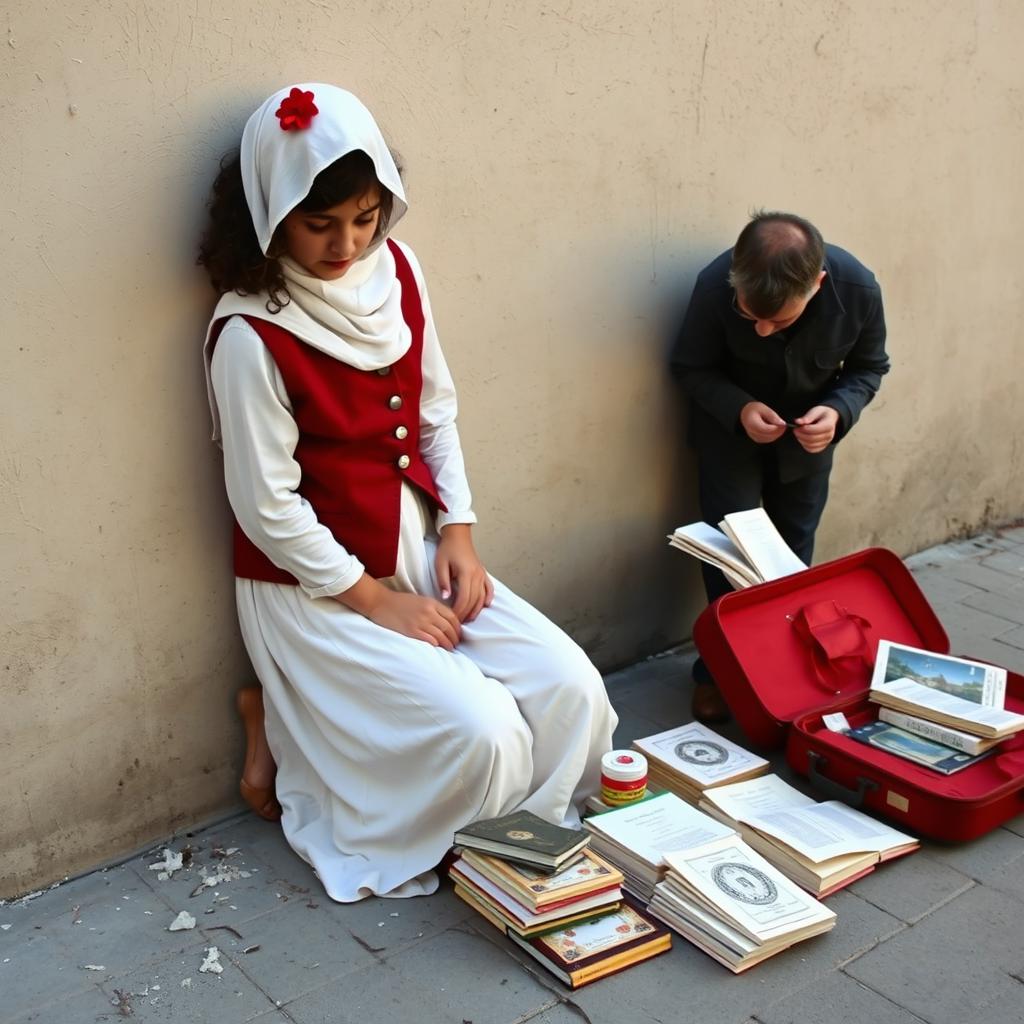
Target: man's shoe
x,y
708,704
257,782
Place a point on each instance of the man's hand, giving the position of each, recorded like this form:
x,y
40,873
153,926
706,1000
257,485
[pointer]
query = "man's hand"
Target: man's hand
x,y
459,569
816,428
762,423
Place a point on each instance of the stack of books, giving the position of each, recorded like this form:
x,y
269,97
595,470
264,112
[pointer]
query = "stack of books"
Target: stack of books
x,y
731,903
820,846
747,548
952,693
636,838
523,838
571,917
527,902
690,758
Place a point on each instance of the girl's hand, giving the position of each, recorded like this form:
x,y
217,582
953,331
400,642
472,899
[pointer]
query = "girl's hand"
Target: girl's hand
x,y
459,568
421,618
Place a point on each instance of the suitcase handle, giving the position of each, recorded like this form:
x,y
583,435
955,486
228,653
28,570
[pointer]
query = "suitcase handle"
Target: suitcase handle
x,y
854,797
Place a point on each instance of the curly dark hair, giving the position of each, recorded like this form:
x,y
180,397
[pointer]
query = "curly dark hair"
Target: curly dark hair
x,y
230,250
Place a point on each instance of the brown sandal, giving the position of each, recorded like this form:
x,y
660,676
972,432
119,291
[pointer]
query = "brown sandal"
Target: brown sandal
x,y
257,782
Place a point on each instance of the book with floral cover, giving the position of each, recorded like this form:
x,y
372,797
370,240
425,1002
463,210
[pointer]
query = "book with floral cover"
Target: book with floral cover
x,y
595,948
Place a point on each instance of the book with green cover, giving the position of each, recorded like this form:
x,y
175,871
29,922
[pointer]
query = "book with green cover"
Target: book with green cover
x,y
523,836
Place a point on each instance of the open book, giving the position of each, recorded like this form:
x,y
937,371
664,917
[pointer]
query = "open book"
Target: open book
x,y
820,846
747,548
955,692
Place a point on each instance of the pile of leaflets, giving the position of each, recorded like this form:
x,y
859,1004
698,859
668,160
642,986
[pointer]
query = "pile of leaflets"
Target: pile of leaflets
x,y
572,917
731,903
699,877
691,758
636,838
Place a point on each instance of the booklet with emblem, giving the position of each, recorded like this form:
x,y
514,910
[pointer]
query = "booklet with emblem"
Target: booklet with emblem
x,y
747,548
691,758
954,692
820,846
524,837
730,902
636,837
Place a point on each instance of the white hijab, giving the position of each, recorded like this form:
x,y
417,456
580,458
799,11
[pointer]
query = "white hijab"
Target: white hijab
x,y
356,319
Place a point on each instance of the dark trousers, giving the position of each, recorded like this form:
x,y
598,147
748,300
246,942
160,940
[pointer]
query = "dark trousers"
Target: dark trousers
x,y
745,481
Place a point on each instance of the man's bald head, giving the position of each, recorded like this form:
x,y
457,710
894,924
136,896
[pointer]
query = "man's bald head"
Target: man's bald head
x,y
777,259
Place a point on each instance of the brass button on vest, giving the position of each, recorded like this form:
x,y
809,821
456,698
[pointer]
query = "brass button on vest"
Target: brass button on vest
x,y
401,433
403,461
395,402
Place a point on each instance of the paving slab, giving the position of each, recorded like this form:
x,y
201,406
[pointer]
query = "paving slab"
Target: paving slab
x,y
971,622
87,1007
1008,561
299,950
910,891
560,1013
942,589
35,969
952,962
847,1002
984,577
253,886
981,857
996,604
688,978
176,992
483,980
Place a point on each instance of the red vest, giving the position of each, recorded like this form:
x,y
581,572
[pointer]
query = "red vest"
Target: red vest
x,y
359,438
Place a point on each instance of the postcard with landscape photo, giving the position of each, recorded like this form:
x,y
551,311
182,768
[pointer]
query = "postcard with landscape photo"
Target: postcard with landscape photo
x,y
959,678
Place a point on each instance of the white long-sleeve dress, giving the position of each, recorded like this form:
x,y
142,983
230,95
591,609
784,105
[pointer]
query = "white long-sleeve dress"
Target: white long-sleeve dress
x,y
385,745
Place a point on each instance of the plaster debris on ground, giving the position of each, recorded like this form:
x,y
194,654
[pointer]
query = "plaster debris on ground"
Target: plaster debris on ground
x,y
172,862
212,964
183,922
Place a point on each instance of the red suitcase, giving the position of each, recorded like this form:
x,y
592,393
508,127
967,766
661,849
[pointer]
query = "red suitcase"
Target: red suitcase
x,y
785,653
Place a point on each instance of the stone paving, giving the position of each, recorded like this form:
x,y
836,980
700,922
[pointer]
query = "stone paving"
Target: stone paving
x,y
937,937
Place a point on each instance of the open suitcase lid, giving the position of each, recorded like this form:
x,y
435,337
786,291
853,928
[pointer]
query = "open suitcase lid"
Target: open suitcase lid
x,y
809,640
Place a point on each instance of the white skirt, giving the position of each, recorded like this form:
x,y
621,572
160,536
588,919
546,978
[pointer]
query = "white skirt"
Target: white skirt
x,y
385,745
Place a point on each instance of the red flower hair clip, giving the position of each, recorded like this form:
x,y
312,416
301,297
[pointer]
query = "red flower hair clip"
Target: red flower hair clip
x,y
297,111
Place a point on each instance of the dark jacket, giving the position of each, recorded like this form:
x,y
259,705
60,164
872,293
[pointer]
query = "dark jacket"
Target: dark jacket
x,y
833,355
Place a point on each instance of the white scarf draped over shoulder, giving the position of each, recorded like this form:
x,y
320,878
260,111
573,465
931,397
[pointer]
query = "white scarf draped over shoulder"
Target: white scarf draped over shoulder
x,y
357,318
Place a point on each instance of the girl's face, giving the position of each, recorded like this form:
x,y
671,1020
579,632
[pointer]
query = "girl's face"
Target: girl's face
x,y
328,242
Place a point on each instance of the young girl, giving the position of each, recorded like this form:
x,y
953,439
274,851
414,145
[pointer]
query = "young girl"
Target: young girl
x,y
407,692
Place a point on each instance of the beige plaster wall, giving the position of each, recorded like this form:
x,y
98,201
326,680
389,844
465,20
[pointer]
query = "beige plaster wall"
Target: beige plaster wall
x,y
570,166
